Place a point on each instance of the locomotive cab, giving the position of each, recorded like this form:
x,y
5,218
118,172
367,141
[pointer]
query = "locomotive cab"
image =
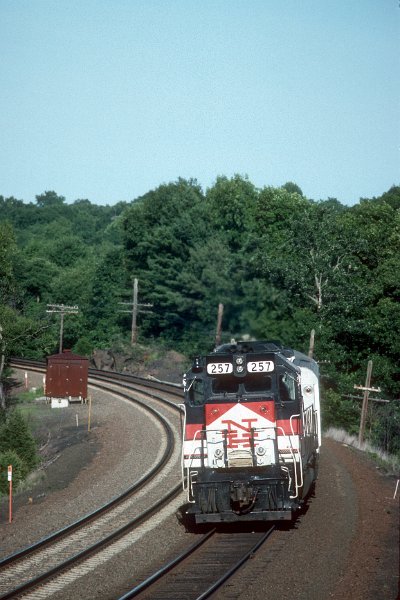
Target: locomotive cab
x,y
251,433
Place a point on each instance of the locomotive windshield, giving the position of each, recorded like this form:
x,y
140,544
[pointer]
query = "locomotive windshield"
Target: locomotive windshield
x,y
259,382
239,374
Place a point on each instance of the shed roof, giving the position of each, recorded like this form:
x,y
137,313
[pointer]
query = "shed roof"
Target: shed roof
x,y
66,355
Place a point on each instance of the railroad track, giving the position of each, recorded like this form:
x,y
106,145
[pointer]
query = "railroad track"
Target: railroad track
x,y
43,567
108,376
202,568
40,563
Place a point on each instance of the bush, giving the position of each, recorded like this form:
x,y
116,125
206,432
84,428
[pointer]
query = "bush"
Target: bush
x,y
339,412
15,436
19,472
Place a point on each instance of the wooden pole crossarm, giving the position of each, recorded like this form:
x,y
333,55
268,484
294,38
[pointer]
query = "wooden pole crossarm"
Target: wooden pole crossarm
x,y
62,310
367,389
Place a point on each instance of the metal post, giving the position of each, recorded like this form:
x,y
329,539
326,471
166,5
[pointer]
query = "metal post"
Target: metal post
x,y
90,410
10,493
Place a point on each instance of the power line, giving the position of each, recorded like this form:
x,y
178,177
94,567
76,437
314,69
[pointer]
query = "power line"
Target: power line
x,y
136,308
366,389
62,310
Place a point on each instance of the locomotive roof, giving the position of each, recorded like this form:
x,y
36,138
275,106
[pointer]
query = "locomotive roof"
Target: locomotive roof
x,y
258,346
253,346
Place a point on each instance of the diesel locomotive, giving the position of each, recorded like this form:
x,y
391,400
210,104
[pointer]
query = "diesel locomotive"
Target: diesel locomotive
x,y
251,432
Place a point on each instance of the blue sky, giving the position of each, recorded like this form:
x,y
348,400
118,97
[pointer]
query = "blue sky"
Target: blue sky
x,y
106,100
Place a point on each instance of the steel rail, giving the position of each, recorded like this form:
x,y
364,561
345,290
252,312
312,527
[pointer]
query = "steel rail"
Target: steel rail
x,y
166,568
56,536
108,505
213,588
32,583
180,558
108,376
132,385
40,366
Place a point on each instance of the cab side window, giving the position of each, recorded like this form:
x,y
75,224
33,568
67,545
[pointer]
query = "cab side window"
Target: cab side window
x,y
287,387
196,393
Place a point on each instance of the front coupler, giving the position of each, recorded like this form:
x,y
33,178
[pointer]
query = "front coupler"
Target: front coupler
x,y
253,494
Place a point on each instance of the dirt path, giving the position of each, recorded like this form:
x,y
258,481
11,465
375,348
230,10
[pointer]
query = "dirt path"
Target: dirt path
x,y
345,546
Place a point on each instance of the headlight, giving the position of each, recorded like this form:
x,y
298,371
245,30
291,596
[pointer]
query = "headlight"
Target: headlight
x,y
260,450
218,453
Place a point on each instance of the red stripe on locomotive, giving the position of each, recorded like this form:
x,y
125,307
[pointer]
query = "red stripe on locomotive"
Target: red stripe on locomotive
x,y
192,429
264,409
287,427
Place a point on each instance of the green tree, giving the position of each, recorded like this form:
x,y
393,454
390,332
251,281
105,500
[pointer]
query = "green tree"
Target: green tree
x,y
392,197
16,436
292,188
230,207
35,276
20,336
108,284
19,470
7,288
159,231
8,249
303,246
49,199
339,412
385,427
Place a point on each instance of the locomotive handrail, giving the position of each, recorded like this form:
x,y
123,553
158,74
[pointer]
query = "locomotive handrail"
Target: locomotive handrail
x,y
191,458
298,486
291,449
264,446
183,441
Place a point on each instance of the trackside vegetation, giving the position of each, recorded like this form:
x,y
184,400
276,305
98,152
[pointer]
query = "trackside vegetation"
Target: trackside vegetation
x,y
280,263
17,448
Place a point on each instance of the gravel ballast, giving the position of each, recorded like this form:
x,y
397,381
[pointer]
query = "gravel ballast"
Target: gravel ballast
x,y
344,546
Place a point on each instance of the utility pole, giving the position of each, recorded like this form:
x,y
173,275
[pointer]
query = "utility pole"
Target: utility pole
x,y
62,310
2,364
219,324
135,310
366,389
311,346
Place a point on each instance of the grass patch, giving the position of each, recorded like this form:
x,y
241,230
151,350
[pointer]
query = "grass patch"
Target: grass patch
x,y
27,404
29,395
34,478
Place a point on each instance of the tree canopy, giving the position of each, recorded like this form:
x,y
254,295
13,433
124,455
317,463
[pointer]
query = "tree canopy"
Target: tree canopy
x,y
281,264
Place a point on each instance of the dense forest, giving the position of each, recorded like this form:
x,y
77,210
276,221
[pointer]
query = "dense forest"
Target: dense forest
x,y
281,264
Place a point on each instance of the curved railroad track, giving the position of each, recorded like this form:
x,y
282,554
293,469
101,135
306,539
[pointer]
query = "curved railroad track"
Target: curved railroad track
x,y
346,485
108,376
43,561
